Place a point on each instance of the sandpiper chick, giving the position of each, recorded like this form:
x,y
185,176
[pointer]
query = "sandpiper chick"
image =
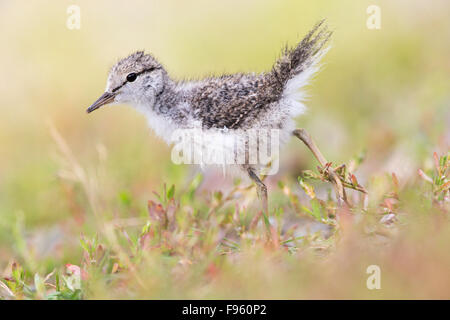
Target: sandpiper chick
x,y
232,105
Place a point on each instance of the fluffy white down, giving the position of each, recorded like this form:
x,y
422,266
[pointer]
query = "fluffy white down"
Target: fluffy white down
x,y
292,91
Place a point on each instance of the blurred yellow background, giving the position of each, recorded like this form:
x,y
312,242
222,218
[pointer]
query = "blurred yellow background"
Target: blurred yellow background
x,y
385,91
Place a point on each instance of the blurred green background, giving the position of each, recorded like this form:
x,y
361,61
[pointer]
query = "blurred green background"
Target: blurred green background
x,y
385,91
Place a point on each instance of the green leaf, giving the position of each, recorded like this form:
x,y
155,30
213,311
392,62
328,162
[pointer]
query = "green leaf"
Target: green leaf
x,y
308,174
171,192
57,282
266,221
84,245
146,228
316,210
308,189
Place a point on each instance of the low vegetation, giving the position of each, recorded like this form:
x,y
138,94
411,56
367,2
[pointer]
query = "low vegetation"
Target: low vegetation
x,y
208,245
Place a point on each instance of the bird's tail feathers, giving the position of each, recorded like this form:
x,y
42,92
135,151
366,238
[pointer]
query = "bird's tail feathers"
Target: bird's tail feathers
x,y
297,65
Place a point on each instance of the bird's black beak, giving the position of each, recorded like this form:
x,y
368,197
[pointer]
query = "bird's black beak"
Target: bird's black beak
x,y
106,98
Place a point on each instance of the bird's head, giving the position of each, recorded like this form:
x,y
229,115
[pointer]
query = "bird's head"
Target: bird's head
x,y
137,79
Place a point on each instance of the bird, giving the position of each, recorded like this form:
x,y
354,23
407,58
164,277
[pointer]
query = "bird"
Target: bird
x,y
230,105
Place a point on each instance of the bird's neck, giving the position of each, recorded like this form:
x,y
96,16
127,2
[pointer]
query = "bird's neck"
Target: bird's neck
x,y
168,111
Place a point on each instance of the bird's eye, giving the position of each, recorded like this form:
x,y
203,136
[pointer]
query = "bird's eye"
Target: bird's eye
x,y
131,77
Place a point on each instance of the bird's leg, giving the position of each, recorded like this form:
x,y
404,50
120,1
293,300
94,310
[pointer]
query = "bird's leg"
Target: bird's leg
x,y
308,141
261,189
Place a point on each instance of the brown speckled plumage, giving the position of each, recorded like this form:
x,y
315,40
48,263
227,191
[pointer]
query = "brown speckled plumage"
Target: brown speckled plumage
x,y
236,101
